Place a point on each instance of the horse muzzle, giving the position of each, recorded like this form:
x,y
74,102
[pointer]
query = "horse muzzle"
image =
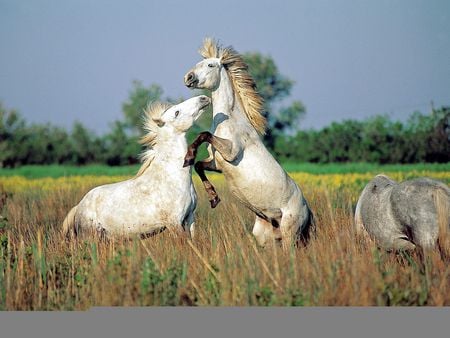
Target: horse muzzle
x,y
190,80
205,101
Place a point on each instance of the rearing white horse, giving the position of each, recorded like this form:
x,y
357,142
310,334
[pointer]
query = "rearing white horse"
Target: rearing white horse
x,y
161,195
236,150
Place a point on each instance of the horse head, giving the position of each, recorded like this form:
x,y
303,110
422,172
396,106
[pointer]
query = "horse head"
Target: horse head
x,y
180,117
205,74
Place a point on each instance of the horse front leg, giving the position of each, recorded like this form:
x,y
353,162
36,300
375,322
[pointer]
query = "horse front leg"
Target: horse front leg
x,y
200,168
225,147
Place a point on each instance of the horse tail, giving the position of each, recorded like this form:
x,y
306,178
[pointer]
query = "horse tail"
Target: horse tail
x,y
69,222
442,203
359,224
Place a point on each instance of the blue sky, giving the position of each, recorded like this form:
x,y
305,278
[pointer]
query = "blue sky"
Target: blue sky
x,y
62,61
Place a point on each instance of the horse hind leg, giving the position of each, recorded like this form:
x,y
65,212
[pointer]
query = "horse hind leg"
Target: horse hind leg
x,y
262,230
296,225
442,203
403,244
289,228
189,225
431,223
68,226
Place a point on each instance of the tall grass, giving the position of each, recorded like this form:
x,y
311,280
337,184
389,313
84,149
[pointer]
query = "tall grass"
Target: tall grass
x,y
222,265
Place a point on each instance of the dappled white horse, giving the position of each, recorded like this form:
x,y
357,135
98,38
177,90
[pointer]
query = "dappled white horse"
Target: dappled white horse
x,y
161,195
404,215
235,148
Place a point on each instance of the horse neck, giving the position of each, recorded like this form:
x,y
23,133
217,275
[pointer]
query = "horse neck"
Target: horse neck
x,y
225,101
168,154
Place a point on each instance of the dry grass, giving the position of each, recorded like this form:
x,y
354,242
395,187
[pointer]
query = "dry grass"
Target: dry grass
x,y
40,270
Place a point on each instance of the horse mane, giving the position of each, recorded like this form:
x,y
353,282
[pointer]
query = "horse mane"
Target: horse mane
x,y
152,121
242,81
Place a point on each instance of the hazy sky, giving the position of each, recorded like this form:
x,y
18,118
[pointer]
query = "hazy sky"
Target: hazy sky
x,y
62,61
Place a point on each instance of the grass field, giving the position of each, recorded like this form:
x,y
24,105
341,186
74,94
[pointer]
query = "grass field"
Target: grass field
x,y
40,270
39,171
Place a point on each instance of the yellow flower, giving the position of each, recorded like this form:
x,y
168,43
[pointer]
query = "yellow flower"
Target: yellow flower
x,y
354,182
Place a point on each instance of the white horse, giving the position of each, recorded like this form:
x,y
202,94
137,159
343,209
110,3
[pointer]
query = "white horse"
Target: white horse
x,y
404,215
161,195
236,150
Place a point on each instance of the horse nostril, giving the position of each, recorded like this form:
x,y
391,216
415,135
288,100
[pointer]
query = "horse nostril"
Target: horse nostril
x,y
204,98
189,77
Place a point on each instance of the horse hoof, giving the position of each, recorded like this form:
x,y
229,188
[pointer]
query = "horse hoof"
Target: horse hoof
x,y
188,162
214,202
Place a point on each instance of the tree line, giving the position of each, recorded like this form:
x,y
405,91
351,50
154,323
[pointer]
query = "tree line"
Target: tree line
x,y
422,138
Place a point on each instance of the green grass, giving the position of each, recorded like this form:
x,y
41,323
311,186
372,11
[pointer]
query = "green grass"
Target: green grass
x,y
38,171
342,168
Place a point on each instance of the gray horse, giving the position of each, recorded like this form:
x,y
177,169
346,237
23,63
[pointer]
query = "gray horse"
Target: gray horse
x,y
401,216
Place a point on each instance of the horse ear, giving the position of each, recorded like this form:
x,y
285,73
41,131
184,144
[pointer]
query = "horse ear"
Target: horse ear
x,y
159,122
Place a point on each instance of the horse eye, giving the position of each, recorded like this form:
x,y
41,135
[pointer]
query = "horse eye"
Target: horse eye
x,y
177,113
210,65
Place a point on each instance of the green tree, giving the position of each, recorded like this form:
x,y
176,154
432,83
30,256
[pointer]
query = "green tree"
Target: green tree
x,y
10,124
288,117
431,133
44,144
121,148
438,140
138,99
273,87
86,147
35,144
61,146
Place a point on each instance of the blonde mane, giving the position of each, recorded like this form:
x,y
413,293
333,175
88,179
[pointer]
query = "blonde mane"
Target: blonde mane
x,y
243,83
152,120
